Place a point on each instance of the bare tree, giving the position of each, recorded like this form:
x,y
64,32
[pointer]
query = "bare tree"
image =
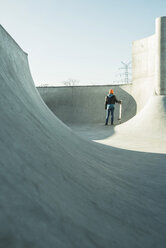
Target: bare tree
x,y
44,84
71,82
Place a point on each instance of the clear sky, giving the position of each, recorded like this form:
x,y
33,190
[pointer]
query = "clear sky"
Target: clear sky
x,y
84,40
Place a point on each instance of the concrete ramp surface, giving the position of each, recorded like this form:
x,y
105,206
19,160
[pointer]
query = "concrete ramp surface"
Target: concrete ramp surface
x,y
144,132
59,190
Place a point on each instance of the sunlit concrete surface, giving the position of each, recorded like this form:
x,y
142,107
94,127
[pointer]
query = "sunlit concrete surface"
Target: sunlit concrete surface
x,y
160,57
58,189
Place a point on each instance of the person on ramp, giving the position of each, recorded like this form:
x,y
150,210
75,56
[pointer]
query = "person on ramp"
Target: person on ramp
x,y
110,101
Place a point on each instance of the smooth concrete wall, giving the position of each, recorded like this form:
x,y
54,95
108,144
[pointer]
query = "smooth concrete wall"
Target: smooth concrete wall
x,y
149,65
85,104
143,70
160,83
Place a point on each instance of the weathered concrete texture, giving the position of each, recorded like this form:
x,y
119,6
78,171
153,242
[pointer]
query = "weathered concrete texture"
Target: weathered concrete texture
x,y
58,190
85,104
160,56
149,63
143,70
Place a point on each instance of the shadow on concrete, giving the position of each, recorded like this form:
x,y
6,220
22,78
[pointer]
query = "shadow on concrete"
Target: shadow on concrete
x,y
93,131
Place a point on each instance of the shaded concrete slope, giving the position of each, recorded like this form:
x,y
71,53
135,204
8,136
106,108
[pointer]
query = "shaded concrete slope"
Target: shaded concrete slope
x,y
57,190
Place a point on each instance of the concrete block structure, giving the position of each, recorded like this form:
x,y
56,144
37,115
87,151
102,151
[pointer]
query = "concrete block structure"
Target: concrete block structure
x,y
149,63
160,56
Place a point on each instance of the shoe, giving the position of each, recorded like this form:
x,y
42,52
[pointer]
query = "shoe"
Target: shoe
x,y
106,124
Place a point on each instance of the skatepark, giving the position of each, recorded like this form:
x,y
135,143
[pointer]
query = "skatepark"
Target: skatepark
x,y
66,179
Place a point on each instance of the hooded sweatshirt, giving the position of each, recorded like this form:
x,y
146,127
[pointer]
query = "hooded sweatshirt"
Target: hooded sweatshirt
x,y
110,101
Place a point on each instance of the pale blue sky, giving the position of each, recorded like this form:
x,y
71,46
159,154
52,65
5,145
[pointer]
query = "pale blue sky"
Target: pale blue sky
x,y
80,39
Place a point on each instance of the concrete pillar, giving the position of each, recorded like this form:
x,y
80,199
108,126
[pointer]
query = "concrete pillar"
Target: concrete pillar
x,y
160,80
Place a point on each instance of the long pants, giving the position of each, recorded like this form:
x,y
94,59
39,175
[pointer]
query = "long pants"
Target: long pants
x,y
111,110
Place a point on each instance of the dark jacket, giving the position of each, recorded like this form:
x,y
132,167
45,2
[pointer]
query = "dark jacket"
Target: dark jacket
x,y
111,99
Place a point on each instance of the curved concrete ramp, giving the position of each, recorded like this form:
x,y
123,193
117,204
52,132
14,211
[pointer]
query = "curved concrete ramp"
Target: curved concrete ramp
x,y
144,132
58,190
